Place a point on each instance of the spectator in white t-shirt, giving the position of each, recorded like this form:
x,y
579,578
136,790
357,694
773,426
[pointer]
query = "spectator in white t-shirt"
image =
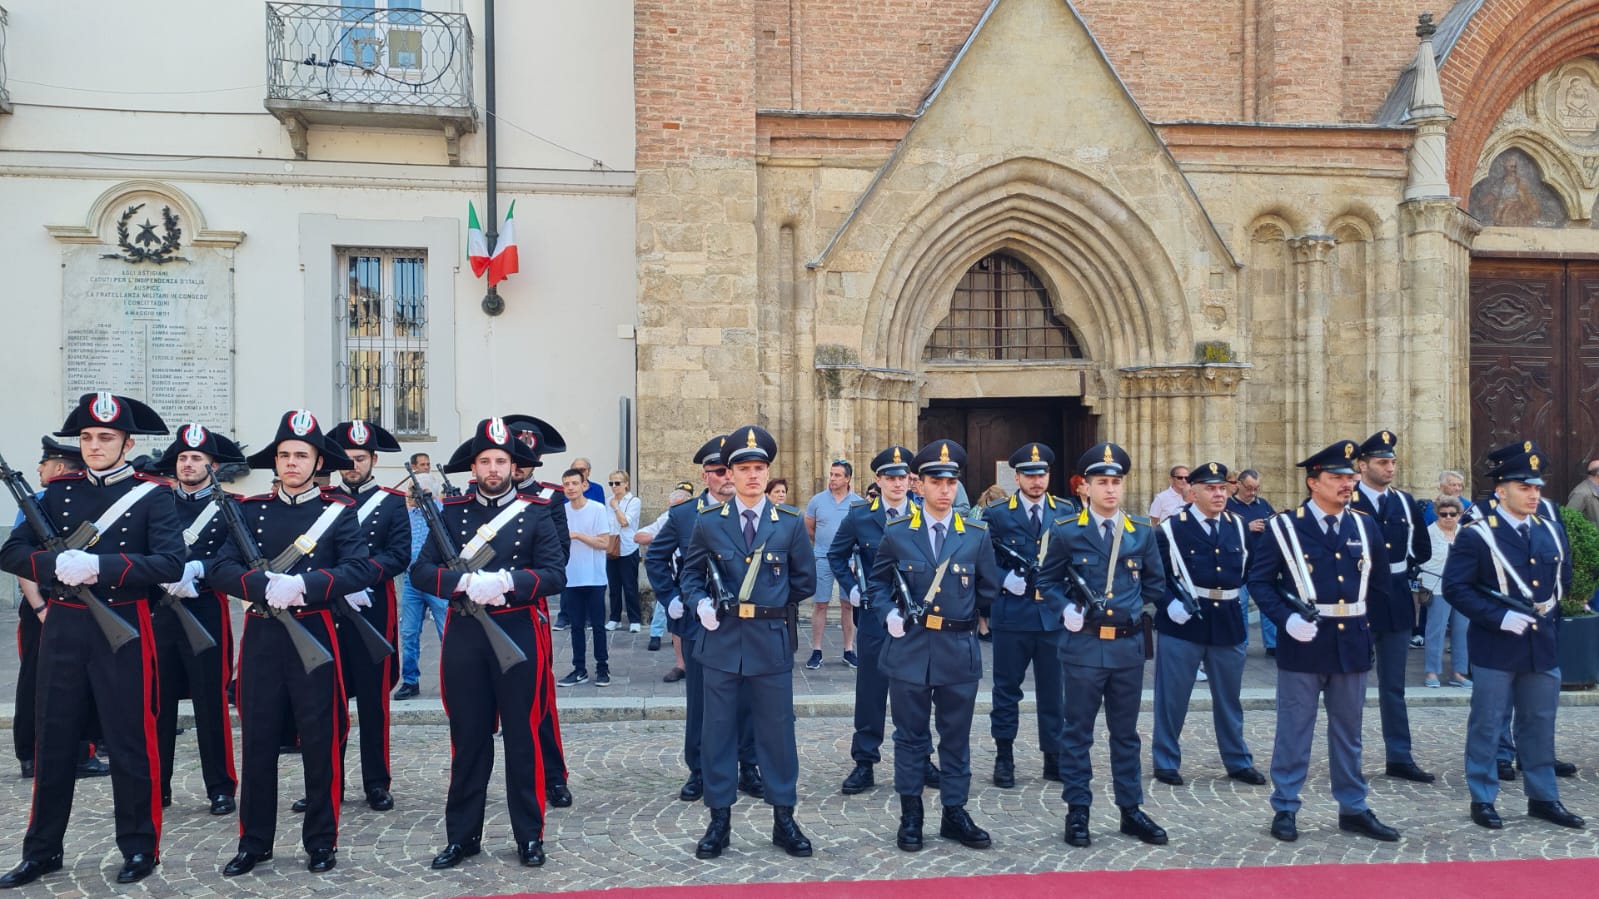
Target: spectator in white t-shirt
x,y
592,528
1171,500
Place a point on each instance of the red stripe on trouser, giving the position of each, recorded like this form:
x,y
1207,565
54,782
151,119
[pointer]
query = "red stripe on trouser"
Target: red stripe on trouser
x,y
225,647
390,633
238,700
341,704
444,697
547,675
535,706
151,680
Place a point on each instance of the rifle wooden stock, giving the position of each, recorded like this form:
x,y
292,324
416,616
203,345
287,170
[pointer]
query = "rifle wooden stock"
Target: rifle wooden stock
x,y
506,652
200,639
377,646
118,632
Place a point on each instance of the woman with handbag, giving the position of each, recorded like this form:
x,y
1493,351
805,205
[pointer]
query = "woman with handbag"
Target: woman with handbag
x,y
621,557
1441,618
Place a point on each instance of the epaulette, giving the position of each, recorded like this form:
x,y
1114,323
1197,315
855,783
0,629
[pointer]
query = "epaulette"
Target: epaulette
x,y
900,520
456,500
154,479
534,498
1357,511
787,509
979,525
712,507
391,490
258,498
335,495
864,502
68,476
1002,501
1133,520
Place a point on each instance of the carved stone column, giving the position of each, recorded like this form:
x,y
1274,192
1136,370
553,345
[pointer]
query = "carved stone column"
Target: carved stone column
x,y
1436,237
1187,413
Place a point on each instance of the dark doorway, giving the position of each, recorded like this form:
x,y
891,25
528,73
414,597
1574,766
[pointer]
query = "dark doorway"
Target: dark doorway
x,y
992,429
1535,364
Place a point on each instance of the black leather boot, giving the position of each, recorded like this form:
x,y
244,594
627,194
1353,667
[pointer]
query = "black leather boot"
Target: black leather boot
x,y
1051,766
786,833
1004,765
909,837
958,825
716,836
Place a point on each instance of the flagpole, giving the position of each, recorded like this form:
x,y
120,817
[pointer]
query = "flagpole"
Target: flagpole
x,y
492,303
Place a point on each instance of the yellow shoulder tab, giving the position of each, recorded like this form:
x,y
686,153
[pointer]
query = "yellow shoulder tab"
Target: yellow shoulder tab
x,y
1082,518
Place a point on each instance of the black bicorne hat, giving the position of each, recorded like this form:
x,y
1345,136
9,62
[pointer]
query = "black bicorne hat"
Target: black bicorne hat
x,y
300,424
364,435
107,410
198,438
490,433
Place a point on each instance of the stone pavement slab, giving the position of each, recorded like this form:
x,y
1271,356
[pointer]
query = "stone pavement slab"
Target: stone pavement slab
x,y
628,829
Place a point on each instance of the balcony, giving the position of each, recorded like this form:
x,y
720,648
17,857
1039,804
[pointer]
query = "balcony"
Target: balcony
x,y
5,98
375,68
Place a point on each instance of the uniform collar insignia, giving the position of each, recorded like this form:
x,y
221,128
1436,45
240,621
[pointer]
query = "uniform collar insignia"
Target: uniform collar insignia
x,y
114,476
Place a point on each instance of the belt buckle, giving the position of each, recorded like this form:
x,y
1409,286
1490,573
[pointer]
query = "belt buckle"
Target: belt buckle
x,y
934,622
304,544
486,533
746,610
1107,632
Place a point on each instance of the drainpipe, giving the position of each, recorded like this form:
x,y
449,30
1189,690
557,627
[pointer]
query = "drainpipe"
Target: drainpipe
x,y
492,304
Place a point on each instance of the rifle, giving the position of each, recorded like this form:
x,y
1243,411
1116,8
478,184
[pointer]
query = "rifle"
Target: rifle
x,y
1305,609
313,655
1084,596
1190,604
860,578
199,638
445,486
908,609
1512,603
1027,568
726,604
377,646
118,632
506,652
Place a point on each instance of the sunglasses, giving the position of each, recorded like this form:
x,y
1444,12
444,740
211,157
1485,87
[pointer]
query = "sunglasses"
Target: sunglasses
x,y
617,483
1448,514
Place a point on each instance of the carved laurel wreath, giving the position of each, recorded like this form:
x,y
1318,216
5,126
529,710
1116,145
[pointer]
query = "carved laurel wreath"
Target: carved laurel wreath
x,y
171,239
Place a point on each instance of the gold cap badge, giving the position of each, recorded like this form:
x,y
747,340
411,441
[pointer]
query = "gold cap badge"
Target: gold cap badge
x,y
1213,468
1349,450
943,452
1108,456
751,442
1533,462
897,459
1387,437
1035,452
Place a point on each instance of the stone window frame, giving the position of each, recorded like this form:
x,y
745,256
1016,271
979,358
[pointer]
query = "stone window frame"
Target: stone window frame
x,y
1000,268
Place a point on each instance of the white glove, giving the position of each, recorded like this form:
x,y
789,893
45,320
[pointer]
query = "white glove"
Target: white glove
x,y
1300,629
1015,584
193,570
1176,612
1516,622
358,601
74,567
855,596
707,612
1072,617
674,609
284,590
488,588
895,623
183,587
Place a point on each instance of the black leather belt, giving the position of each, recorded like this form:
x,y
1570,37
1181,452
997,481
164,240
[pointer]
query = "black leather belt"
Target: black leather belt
x,y
1107,632
751,610
940,623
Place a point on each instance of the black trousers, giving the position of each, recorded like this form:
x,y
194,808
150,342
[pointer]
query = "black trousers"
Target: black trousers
x,y
204,679
273,682
621,574
28,628
477,696
76,665
370,682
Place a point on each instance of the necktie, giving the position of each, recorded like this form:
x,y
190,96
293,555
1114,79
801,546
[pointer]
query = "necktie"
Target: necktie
x,y
1038,521
938,539
749,528
1524,531
1382,506
1104,533
1332,530
1210,527
893,514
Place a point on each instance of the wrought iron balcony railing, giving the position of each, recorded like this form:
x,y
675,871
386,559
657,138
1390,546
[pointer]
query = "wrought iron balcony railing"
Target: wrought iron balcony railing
x,y
405,68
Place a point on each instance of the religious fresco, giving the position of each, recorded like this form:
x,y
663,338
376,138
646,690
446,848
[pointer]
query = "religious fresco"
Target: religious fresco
x,y
1514,195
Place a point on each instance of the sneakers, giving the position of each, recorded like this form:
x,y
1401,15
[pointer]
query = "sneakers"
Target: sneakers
x,y
560,623
815,660
851,659
602,679
1417,643
1458,681
611,625
633,628
1201,676
573,679
1433,681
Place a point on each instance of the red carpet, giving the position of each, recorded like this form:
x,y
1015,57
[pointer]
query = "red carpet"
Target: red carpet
x,y
1561,877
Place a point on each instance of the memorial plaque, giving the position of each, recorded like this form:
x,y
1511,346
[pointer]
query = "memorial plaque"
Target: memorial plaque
x,y
162,333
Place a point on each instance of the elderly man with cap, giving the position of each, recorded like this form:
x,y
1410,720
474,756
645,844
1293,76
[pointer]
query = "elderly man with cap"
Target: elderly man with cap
x,y
202,676
1103,574
1026,630
1393,617
1315,573
858,538
663,564
56,459
1507,573
386,527
137,547
524,563
1206,549
934,572
314,536
762,556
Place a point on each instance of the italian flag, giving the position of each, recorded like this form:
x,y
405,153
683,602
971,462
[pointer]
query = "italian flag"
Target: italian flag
x,y
502,263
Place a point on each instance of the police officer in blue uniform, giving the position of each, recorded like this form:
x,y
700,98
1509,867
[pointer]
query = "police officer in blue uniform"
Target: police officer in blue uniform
x,y
1507,573
386,527
201,676
932,575
858,538
1104,575
1026,631
273,682
1316,572
1549,513
1393,620
762,561
524,564
1206,551
663,564
138,548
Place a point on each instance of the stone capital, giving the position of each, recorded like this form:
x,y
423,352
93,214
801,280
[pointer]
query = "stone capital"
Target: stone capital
x,y
1312,247
1198,379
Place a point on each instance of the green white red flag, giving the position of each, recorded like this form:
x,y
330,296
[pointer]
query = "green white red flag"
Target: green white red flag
x,y
503,262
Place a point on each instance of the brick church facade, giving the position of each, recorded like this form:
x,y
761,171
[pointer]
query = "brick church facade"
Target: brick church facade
x,y
1229,230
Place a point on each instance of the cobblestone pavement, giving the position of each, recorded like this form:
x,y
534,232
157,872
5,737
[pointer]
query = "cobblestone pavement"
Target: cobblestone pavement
x,y
628,829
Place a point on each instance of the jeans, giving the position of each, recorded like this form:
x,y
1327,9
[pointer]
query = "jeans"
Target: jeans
x,y
622,574
1440,618
585,609
658,620
414,604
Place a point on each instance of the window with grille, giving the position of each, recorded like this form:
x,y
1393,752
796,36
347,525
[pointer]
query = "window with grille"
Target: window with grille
x,y
381,306
1001,313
